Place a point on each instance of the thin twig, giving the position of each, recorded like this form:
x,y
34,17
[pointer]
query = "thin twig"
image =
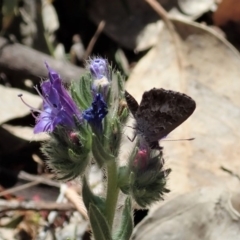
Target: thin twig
x,y
230,172
35,180
70,193
19,188
44,179
35,206
94,39
156,6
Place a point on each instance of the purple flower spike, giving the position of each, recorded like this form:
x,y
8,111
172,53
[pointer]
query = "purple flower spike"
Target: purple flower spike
x,y
100,74
99,68
96,113
58,106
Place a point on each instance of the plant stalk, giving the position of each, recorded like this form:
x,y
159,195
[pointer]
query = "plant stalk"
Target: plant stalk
x,y
112,192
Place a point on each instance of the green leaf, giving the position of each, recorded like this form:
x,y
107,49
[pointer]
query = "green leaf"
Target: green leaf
x,y
73,156
90,198
100,228
85,135
123,179
81,91
100,154
126,226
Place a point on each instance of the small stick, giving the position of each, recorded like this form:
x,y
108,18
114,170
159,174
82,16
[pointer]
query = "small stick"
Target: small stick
x,y
35,206
18,188
230,172
156,6
94,39
44,179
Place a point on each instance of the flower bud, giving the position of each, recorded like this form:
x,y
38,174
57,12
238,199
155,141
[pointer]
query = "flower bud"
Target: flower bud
x,y
147,176
99,68
68,152
96,113
100,74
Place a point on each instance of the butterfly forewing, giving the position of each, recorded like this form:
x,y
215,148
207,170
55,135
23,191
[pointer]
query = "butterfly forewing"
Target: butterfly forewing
x,y
132,103
160,112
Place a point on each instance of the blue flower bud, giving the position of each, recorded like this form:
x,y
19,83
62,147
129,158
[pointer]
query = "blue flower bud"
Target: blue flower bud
x,y
96,113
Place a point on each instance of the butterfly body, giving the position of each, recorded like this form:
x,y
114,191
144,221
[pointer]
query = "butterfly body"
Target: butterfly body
x,y
159,112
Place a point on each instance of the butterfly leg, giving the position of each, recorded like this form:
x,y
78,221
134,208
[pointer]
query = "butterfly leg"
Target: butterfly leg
x,y
155,145
134,137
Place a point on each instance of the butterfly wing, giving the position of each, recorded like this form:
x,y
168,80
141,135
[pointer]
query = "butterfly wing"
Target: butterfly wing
x,y
160,112
132,103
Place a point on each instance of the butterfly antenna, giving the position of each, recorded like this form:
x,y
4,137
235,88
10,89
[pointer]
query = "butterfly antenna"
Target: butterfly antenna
x,y
130,127
124,125
182,139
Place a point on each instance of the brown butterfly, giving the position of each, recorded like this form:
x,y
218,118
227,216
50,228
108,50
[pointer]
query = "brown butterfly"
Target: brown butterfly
x,y
159,112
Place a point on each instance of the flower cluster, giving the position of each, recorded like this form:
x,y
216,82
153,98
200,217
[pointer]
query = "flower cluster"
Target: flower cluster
x,y
85,123
60,109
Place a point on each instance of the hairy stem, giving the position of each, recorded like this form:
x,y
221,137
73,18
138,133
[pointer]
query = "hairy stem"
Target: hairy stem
x,y
112,192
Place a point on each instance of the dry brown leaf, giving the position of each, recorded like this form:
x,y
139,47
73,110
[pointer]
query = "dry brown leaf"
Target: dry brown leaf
x,y
25,133
132,23
28,228
228,10
209,72
205,214
195,8
12,107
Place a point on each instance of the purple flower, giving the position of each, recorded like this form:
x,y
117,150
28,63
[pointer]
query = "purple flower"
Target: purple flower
x,y
96,113
99,68
58,106
100,73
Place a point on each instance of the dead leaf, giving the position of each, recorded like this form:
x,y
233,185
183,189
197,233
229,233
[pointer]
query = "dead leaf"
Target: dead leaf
x,y
12,107
228,10
204,214
195,8
25,133
207,68
133,24
49,17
